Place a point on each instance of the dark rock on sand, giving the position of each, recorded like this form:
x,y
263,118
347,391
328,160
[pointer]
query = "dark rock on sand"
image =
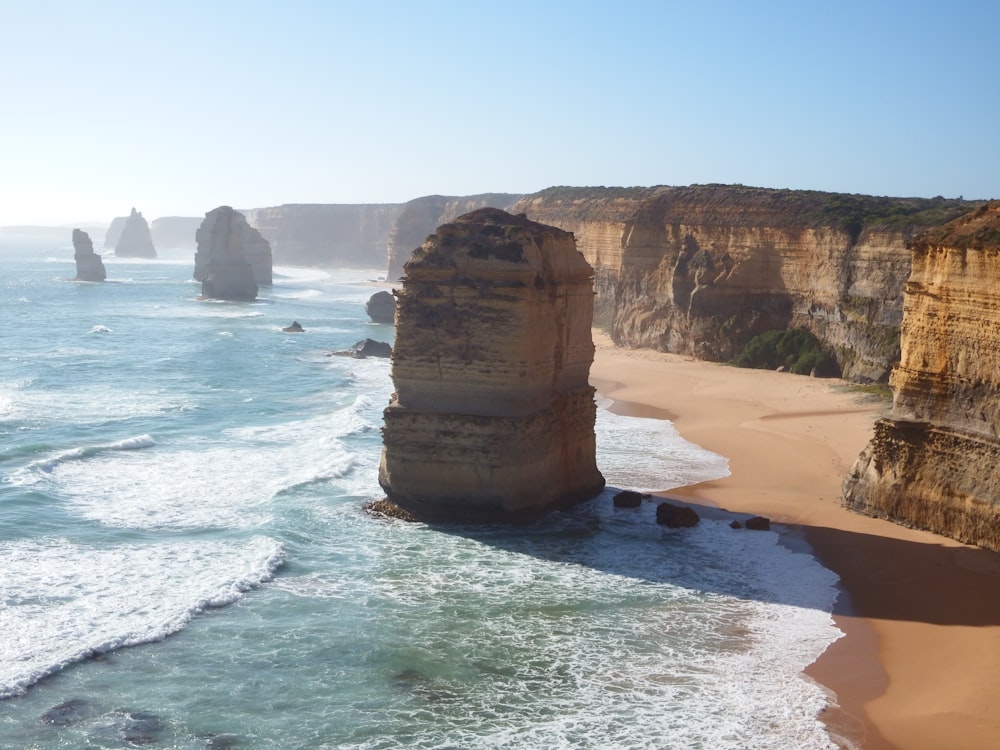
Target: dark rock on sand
x,y
759,523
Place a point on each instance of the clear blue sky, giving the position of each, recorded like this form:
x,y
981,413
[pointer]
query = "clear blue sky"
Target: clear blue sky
x,y
176,107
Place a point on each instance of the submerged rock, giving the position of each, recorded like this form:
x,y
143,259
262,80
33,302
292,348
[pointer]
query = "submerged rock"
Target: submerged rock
x,y
364,349
89,266
135,240
676,516
295,327
493,415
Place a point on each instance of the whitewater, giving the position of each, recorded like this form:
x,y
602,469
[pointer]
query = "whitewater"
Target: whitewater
x,y
185,561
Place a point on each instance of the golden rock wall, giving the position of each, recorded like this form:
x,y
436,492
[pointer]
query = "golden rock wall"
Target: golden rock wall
x,y
493,414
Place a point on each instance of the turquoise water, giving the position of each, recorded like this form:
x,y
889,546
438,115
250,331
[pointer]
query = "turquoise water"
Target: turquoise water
x,y
184,562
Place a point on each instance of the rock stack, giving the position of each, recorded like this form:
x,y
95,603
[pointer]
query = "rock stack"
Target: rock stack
x,y
932,463
231,255
135,240
493,414
89,266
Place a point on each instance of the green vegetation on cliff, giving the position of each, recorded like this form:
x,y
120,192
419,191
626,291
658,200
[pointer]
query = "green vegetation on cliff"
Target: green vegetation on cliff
x,y
797,350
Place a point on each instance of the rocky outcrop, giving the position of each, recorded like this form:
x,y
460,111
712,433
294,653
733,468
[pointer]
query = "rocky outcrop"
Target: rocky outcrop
x,y
227,228
135,240
327,235
114,231
381,307
227,245
420,216
175,231
493,414
932,462
364,349
89,266
700,270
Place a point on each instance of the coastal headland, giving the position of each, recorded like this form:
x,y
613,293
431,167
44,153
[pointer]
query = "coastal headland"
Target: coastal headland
x,y
917,667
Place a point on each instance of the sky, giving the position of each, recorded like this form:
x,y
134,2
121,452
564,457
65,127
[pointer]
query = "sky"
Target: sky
x,y
176,107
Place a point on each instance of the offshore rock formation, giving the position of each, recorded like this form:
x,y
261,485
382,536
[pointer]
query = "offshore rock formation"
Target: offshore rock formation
x,y
420,216
327,235
493,415
89,266
932,462
381,308
114,231
700,270
230,256
135,240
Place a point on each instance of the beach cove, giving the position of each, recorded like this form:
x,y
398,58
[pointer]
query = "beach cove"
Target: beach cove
x,y
916,668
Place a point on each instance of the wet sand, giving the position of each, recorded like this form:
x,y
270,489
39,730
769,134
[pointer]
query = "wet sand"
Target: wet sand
x,y
918,666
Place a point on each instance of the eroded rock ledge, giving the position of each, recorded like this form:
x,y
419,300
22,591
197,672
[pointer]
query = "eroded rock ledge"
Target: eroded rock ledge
x,y
493,415
932,462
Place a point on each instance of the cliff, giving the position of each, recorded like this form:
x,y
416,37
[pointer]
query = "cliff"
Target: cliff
x,y
174,231
932,462
421,216
230,256
327,235
114,231
89,266
493,414
135,240
700,270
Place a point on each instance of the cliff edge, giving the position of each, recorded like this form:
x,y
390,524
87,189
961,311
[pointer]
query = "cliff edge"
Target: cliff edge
x,y
493,414
932,463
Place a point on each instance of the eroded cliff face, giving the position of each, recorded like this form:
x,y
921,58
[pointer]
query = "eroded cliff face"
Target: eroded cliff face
x,y
932,462
701,270
420,216
89,266
231,256
327,235
493,414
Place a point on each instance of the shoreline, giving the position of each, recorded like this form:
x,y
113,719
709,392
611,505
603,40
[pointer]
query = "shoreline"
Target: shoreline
x,y
915,668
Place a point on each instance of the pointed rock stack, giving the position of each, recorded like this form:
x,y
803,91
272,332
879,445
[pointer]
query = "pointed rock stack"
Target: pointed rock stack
x,y
232,258
89,266
135,240
493,415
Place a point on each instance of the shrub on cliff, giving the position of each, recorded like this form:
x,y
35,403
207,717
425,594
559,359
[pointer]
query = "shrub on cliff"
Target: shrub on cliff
x,y
797,350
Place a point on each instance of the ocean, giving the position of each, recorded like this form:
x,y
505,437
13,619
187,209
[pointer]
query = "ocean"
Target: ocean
x,y
185,561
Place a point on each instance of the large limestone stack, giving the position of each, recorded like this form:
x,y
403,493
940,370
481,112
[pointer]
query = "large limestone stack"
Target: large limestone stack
x,y
135,240
231,255
493,415
933,462
89,266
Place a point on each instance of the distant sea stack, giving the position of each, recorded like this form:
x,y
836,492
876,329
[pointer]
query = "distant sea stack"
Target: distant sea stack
x,y
493,414
231,257
933,462
135,240
89,266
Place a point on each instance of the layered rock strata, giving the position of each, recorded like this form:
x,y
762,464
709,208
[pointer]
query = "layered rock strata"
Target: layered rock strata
x,y
135,240
700,270
493,415
231,256
89,266
420,216
932,462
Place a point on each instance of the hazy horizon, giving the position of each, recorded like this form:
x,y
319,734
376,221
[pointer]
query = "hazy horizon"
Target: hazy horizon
x,y
178,109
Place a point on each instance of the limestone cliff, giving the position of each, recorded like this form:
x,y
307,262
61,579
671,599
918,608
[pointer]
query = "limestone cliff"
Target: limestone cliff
x,y
493,414
700,270
327,235
114,231
230,256
89,266
932,462
135,240
420,216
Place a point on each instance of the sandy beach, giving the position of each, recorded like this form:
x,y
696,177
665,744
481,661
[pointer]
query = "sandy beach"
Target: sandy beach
x,y
917,668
